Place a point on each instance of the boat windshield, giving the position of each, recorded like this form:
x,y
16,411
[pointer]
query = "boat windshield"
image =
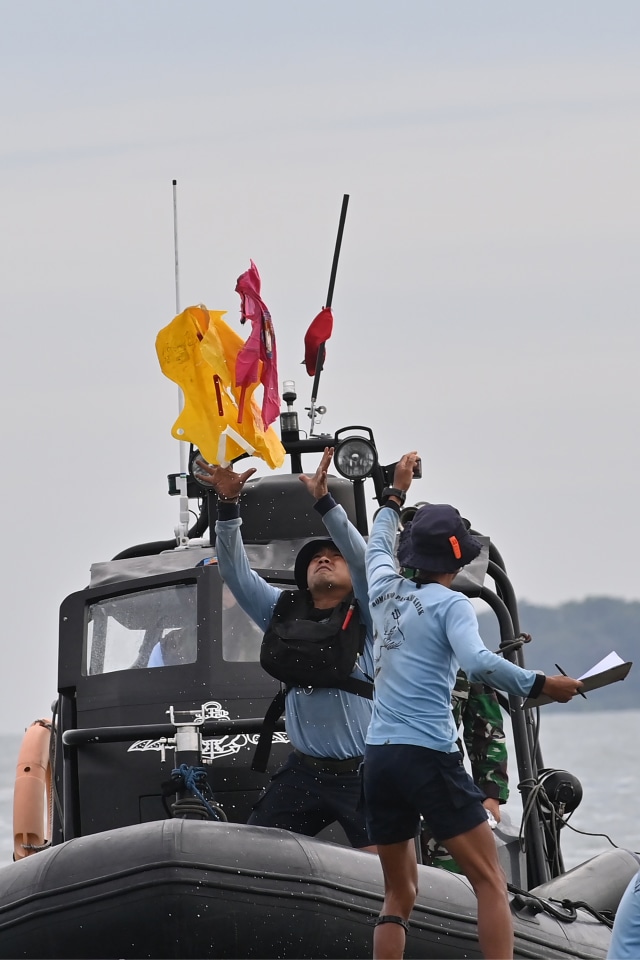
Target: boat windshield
x,y
158,628
151,628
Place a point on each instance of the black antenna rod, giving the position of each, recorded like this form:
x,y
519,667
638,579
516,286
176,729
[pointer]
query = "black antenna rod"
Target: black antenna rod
x,y
332,283
336,252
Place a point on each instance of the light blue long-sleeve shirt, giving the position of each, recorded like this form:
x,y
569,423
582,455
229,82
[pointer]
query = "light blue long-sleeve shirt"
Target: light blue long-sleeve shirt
x,y
423,635
321,722
625,938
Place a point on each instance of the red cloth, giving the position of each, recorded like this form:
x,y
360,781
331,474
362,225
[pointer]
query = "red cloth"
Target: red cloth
x,y
260,346
318,333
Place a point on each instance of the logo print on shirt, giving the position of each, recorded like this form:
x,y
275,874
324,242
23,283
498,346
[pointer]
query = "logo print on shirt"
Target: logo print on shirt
x,y
393,635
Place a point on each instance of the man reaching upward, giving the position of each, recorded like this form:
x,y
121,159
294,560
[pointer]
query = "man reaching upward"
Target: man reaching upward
x,y
327,725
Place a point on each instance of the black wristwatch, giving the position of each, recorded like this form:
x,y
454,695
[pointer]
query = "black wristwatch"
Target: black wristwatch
x,y
393,492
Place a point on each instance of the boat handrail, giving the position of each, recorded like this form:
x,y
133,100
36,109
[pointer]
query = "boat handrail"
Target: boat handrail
x,y
154,731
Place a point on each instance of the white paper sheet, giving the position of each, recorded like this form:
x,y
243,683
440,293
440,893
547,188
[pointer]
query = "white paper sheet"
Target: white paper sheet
x,y
608,670
611,660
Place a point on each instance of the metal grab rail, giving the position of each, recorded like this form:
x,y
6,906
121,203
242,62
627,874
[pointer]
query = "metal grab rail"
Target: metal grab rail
x,y
151,731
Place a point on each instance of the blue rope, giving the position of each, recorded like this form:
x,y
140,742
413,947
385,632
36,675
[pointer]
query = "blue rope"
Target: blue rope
x,y
192,777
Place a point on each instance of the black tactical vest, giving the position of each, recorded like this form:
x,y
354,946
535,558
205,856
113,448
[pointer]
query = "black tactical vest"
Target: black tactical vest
x,y
305,647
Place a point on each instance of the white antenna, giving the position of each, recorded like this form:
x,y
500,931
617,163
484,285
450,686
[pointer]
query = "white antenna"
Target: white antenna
x,y
175,243
182,530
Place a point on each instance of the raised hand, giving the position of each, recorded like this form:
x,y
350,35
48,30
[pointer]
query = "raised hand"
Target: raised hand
x,y
224,481
317,484
403,473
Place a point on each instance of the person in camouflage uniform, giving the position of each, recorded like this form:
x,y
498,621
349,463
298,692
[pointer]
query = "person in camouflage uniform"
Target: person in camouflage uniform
x,y
477,711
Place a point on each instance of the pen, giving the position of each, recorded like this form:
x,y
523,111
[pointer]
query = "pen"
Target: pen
x,y
559,668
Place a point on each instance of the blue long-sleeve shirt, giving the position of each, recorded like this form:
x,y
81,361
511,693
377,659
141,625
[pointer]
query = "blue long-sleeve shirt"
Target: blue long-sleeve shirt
x,y
625,937
423,635
322,722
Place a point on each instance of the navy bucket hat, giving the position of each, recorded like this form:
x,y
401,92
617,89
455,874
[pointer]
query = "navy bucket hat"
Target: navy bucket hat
x,y
437,539
306,555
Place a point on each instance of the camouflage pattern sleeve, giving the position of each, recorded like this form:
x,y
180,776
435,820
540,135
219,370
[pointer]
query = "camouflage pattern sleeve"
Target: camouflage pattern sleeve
x,y
476,707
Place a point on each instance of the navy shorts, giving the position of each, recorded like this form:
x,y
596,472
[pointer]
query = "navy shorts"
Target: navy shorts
x,y
306,801
402,782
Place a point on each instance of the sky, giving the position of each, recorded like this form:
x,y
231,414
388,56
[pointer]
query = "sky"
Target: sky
x,y
486,298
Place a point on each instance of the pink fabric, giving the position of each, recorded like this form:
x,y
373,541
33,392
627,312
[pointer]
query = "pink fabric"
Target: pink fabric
x,y
260,346
318,333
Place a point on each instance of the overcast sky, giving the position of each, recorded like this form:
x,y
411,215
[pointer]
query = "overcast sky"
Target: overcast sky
x,y
486,301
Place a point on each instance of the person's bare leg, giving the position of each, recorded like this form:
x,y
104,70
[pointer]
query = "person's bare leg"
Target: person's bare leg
x,y
477,855
400,869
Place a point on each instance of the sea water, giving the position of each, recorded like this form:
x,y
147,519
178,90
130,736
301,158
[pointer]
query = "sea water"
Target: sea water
x,y
601,748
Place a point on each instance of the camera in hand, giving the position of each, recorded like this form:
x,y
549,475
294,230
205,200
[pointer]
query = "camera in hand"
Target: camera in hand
x,y
389,470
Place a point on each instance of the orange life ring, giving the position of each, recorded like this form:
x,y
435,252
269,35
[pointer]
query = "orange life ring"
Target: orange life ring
x,y
32,790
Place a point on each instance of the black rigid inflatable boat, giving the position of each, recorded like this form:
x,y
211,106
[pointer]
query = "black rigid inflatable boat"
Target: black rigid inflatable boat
x,y
147,862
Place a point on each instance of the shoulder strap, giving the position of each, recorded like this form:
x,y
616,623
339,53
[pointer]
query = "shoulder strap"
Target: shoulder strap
x,y
285,601
363,688
271,717
276,708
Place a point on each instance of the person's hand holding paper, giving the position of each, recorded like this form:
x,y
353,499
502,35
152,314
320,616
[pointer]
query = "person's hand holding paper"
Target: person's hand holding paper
x,y
608,670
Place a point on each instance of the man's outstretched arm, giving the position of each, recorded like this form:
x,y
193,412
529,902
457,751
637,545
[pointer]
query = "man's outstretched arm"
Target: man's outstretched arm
x,y
256,597
347,539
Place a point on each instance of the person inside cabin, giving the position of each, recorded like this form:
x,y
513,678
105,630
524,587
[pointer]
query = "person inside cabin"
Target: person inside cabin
x,y
319,783
179,646
412,767
176,647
